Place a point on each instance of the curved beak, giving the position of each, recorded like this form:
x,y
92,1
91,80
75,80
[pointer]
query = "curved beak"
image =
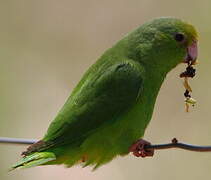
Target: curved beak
x,y
192,53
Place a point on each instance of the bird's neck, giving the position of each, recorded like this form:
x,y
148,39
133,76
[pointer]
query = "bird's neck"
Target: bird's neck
x,y
153,81
151,87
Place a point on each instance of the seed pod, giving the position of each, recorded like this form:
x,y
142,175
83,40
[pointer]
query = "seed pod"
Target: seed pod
x,y
190,101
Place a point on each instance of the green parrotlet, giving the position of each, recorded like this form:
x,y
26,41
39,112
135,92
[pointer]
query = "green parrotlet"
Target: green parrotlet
x,y
110,108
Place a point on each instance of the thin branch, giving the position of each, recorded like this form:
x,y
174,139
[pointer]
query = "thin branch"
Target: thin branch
x,y
173,144
7,140
176,144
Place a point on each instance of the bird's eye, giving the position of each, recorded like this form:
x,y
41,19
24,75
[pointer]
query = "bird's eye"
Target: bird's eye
x,y
179,37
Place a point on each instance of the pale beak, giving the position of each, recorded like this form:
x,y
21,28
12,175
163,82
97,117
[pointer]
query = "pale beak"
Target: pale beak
x,y
192,53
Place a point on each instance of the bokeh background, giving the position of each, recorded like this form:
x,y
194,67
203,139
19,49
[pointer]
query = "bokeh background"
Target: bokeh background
x,y
47,45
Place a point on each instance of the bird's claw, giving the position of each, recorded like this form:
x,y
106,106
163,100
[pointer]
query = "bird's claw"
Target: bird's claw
x,y
139,149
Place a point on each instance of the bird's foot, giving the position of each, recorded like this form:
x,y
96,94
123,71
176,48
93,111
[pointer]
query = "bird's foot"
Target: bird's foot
x,y
139,149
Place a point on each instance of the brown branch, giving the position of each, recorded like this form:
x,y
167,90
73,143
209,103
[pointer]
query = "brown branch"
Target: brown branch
x,y
173,144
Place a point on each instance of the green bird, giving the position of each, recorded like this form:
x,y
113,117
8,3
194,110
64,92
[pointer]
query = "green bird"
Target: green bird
x,y
108,111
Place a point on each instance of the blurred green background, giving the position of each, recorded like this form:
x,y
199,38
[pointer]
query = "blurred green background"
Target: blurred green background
x,y
46,46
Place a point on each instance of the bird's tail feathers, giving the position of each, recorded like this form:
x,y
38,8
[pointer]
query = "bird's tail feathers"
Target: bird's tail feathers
x,y
35,159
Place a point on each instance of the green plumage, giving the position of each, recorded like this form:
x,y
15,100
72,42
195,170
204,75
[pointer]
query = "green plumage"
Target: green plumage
x,y
113,103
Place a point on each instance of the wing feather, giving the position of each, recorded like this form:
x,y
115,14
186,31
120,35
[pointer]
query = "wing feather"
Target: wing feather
x,y
95,102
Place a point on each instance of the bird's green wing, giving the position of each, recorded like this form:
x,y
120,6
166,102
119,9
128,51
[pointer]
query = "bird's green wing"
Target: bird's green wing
x,y
97,100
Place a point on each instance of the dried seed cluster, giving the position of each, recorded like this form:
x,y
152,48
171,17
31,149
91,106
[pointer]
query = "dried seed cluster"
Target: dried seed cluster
x,y
189,73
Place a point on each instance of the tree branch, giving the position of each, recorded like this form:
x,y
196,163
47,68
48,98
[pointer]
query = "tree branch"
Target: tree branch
x,y
7,140
173,144
176,144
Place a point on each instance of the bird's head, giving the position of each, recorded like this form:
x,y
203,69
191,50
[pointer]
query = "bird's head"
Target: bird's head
x,y
165,42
